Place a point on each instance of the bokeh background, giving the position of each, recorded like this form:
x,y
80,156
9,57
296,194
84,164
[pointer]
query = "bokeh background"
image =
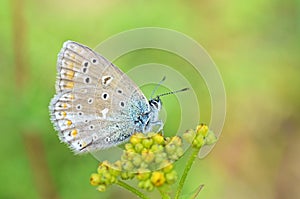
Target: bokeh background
x,y
256,45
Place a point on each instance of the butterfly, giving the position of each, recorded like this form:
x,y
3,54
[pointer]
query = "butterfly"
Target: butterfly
x,y
96,105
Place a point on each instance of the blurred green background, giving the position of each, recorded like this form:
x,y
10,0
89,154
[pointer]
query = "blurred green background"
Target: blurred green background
x,y
256,45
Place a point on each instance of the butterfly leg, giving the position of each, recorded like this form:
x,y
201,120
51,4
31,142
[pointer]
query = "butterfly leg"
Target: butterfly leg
x,y
158,124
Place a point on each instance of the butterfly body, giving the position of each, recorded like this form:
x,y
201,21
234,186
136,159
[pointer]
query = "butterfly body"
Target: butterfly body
x,y
96,105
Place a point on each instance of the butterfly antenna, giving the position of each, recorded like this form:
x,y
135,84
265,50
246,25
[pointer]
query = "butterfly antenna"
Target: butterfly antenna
x,y
157,86
172,92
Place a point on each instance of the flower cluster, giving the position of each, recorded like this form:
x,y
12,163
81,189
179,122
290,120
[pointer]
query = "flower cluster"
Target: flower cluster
x,y
149,159
199,137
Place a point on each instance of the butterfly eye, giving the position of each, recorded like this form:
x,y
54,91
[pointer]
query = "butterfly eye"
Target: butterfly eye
x,y
154,102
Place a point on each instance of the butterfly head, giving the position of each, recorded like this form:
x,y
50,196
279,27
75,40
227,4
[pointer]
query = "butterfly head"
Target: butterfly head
x,y
155,104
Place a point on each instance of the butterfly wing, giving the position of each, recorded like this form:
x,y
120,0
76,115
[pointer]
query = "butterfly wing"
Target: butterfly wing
x,y
96,105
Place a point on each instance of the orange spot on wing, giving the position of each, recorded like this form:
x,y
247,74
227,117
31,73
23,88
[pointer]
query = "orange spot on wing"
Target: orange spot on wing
x,y
69,85
70,74
69,122
74,133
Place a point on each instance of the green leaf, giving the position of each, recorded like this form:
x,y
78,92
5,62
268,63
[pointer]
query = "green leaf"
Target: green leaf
x,y
194,194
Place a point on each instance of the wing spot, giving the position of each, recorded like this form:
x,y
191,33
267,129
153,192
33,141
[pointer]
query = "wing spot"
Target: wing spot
x,y
78,107
87,80
90,100
68,74
64,114
67,85
69,122
105,96
74,133
86,64
84,90
95,136
91,127
104,112
119,91
84,70
107,139
106,80
94,61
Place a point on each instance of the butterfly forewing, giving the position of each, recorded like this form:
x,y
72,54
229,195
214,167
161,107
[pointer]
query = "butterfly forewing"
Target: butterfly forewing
x,y
96,104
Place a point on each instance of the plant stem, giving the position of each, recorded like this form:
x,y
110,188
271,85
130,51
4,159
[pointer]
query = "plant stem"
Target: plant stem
x,y
163,194
186,171
131,189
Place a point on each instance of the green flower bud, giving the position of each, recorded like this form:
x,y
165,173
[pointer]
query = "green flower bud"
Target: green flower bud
x,y
170,148
128,146
138,147
148,156
158,139
143,174
167,166
211,138
137,160
141,184
148,185
101,188
189,135
115,169
167,140
202,129
129,155
147,143
131,175
173,157
125,176
101,169
127,165
106,178
198,141
171,177
159,157
135,139
179,151
144,165
157,148
113,179
176,140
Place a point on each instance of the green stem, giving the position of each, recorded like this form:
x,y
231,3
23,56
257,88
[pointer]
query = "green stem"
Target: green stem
x,y
131,189
186,171
163,194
